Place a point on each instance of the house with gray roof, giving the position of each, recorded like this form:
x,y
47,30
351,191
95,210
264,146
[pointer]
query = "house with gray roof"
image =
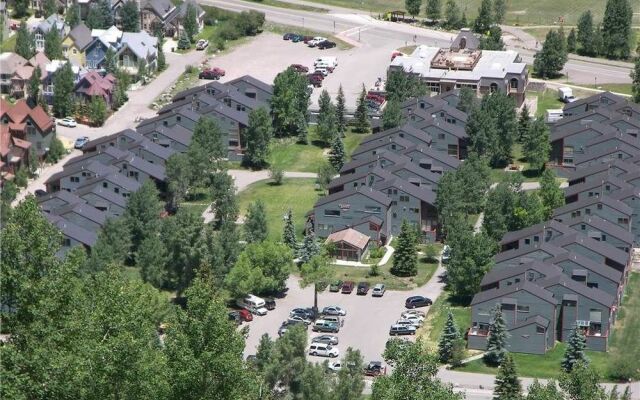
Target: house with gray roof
x,y
105,200
431,159
253,88
83,215
105,156
597,101
571,141
605,207
136,48
598,172
531,271
603,230
139,169
73,176
359,180
395,144
53,200
406,131
441,112
416,175
600,252
73,235
54,21
594,188
447,138
631,197
116,182
175,137
605,154
534,235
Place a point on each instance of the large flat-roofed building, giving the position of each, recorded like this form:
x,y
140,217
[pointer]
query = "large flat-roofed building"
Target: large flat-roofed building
x,y
485,71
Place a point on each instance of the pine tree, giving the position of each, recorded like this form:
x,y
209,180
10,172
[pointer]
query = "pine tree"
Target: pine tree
x,y
63,93
97,110
463,20
585,34
24,42
301,129
49,7
111,61
405,259
391,115
337,153
162,61
131,17
499,11
309,248
340,111
448,338
616,29
571,41
20,8
484,20
107,13
413,7
452,15
524,123
255,225
434,8
190,22
34,86
498,335
95,19
574,352
361,117
289,232
72,16
327,122
183,42
507,384
53,45
635,81
258,137
550,60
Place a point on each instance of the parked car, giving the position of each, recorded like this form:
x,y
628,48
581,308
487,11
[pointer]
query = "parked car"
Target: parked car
x,y
418,313
417,301
322,325
363,288
324,350
321,70
212,74
335,319
402,330
378,290
202,44
40,193
327,44
288,324
80,142
287,36
336,286
315,41
412,322
68,121
307,39
334,366
303,312
235,317
269,304
315,80
246,315
334,310
295,38
418,319
374,368
329,339
347,287
300,68
298,318
376,98
446,254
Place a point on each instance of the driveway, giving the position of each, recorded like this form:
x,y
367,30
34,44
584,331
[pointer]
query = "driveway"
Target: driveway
x,y
366,326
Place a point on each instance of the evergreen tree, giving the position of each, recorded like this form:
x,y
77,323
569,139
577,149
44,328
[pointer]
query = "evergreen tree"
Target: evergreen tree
x,y
463,21
325,175
571,41
111,61
112,246
524,124
536,145
551,195
56,151
190,22
162,61
72,16
582,383
537,391
327,122
499,11
20,8
492,40
178,172
309,249
341,111
413,7
550,60
635,81
34,86
49,7
258,138
206,149
223,193
498,335
63,93
392,115
24,42
585,36
337,153
574,352
484,20
151,259
289,232
97,111
405,260
361,117
452,15
142,214
301,129
255,225
434,8
53,45
507,384
131,17
107,13
448,337
95,19
598,40
616,29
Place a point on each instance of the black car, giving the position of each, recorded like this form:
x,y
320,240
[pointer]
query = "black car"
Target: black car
x,y
306,313
40,193
363,288
235,316
417,301
326,45
374,368
287,36
270,304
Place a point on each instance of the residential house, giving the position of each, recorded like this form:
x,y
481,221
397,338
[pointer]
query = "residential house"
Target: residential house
x,y
597,101
184,117
182,13
175,137
103,40
603,230
606,154
377,145
253,88
105,156
614,139
600,252
73,176
132,141
76,43
9,64
30,124
54,21
54,200
631,197
447,138
431,159
136,49
514,257
140,170
349,244
438,112
93,84
382,160
359,180
155,13
594,188
416,175
534,235
406,132
73,235
598,172
398,165
51,69
105,200
571,141
526,272
14,153
19,81
83,215
115,182
605,207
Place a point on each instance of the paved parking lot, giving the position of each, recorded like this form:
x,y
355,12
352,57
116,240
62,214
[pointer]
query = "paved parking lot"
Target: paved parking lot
x,y
366,326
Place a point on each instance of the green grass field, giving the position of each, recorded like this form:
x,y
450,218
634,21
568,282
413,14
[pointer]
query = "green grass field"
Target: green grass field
x,y
291,6
282,29
521,12
9,44
362,274
299,195
437,316
292,156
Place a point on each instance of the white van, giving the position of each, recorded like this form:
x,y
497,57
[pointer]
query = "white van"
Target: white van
x,y
323,350
322,71
254,304
330,60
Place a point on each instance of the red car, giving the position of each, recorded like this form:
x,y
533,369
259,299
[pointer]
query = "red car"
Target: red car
x,y
246,315
395,54
212,73
299,68
315,79
374,97
348,286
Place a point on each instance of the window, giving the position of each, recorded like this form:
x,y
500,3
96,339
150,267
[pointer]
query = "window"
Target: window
x,y
415,210
593,285
523,309
105,185
599,206
331,213
116,190
493,87
595,315
441,136
527,241
372,209
513,84
588,211
540,329
404,199
452,150
517,280
536,238
607,187
74,51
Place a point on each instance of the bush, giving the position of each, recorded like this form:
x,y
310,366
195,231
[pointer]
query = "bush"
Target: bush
x,y
375,270
623,368
377,252
22,178
230,31
189,69
277,174
431,253
56,150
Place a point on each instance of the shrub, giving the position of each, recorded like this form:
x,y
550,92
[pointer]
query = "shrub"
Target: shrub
x,y
623,368
21,178
377,252
189,69
230,31
56,150
277,174
375,270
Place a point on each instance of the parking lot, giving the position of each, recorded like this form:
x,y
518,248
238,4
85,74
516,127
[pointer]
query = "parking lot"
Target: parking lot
x,y
366,326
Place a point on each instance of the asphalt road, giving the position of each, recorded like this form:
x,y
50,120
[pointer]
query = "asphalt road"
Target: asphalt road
x,y
361,27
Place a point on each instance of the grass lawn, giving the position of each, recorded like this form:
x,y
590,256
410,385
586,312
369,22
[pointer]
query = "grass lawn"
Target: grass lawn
x,y
290,6
9,44
282,29
547,100
624,88
185,81
623,342
437,316
299,195
292,156
361,274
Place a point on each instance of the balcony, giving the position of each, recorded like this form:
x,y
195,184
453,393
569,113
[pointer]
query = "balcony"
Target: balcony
x,y
478,332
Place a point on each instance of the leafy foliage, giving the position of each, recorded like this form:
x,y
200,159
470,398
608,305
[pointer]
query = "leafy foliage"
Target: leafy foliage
x,y
586,35
551,195
549,61
536,144
25,46
484,20
258,137
190,22
98,110
130,16
327,121
255,225
433,10
63,93
391,115
413,7
493,39
289,103
53,45
401,86
635,81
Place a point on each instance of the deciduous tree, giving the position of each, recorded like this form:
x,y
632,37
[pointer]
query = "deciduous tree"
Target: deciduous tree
x,y
585,35
468,100
484,20
350,382
152,259
24,42
538,391
391,115
112,246
206,149
413,7
258,138
63,93
616,29
327,121
49,7
142,214
551,195
492,40
549,61
405,260
582,383
400,86
262,268
471,258
190,22
317,272
536,145
178,173
499,11
97,111
72,16
434,9
289,103
183,238
452,15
